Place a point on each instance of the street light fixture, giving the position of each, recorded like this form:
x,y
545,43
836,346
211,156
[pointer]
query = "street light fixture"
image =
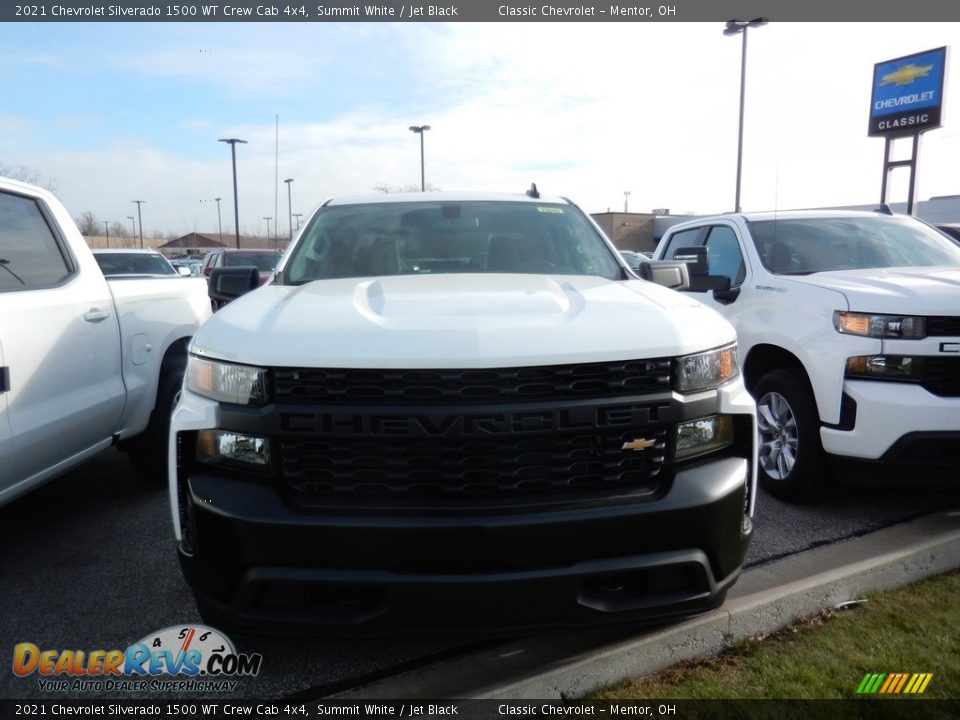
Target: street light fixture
x,y
420,130
289,182
233,154
140,219
735,27
219,222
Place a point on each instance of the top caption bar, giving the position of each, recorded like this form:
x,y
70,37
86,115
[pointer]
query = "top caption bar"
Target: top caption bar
x,y
478,11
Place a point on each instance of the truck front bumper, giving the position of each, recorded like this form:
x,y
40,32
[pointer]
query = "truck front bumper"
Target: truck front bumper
x,y
259,564
896,421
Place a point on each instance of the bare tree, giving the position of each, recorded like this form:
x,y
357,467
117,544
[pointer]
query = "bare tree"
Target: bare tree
x,y
88,224
119,230
28,175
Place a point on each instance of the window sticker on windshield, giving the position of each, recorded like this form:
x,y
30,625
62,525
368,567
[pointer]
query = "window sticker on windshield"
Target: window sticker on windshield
x,y
555,210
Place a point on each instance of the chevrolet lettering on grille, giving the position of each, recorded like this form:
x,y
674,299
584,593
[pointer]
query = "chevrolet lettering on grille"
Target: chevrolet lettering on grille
x,y
497,423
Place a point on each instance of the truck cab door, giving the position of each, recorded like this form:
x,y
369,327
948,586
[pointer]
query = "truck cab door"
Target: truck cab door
x,y
61,344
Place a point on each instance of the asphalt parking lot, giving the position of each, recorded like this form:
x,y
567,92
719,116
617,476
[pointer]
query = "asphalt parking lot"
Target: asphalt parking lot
x,y
89,562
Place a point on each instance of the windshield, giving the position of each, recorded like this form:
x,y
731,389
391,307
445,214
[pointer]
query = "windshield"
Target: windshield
x,y
409,238
264,262
810,245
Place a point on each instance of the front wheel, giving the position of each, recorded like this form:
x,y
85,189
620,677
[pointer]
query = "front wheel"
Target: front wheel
x,y
148,451
791,457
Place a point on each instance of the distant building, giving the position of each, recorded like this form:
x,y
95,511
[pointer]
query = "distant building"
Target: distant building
x,y
201,243
628,231
191,241
636,231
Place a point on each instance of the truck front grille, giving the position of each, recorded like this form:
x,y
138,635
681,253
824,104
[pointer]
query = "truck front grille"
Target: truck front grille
x,y
943,326
942,376
336,466
459,386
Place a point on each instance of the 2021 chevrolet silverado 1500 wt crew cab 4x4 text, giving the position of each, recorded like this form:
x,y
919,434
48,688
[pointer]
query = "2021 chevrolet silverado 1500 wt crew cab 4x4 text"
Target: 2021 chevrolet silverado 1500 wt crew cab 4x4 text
x,y
457,410
84,362
849,331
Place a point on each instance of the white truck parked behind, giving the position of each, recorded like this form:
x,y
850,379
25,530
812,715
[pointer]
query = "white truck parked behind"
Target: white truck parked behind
x,y
849,334
84,363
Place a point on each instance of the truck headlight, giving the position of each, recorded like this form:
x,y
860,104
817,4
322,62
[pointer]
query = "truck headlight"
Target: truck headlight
x,y
217,446
880,326
708,370
885,367
226,382
699,437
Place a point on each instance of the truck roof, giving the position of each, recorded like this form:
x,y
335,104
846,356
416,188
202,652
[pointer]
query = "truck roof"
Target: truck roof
x,y
412,197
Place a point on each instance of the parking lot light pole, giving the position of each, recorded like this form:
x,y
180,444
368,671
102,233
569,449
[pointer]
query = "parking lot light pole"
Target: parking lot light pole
x,y
626,197
420,130
268,219
298,216
289,182
219,222
735,27
133,223
140,219
236,211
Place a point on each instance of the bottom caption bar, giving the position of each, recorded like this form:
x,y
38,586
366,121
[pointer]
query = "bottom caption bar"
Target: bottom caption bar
x,y
484,709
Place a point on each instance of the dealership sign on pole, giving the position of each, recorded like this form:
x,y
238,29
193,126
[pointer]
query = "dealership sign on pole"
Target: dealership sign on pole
x,y
907,100
908,93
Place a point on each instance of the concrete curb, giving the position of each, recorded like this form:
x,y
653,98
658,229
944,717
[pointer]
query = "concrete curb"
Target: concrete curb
x,y
765,599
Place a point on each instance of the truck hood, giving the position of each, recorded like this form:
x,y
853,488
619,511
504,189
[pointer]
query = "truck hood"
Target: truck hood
x,y
908,291
459,320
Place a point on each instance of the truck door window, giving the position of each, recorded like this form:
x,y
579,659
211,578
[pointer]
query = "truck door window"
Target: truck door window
x,y
724,256
30,256
682,239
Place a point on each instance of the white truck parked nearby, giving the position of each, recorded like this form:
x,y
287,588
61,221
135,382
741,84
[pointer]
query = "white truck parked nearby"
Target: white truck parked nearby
x,y
84,362
849,334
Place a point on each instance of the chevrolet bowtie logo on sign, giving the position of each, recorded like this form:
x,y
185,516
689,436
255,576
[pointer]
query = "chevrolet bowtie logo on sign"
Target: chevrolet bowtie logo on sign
x,y
894,683
906,74
638,445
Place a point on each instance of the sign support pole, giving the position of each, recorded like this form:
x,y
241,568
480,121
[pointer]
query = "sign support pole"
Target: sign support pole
x,y
889,165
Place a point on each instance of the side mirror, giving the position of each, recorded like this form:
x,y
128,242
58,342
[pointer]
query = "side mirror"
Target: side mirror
x,y
183,271
700,279
672,274
695,257
702,283
229,283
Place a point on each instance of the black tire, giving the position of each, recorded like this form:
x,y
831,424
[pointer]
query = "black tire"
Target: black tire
x,y
148,451
792,464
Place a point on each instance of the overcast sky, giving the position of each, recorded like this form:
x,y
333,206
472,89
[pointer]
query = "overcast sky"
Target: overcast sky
x,y
115,112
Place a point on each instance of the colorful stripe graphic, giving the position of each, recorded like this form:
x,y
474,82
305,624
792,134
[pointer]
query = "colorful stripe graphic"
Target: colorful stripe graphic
x,y
894,683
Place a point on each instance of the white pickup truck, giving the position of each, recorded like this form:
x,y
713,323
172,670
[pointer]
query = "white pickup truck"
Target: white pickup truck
x,y
84,363
849,334
447,403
